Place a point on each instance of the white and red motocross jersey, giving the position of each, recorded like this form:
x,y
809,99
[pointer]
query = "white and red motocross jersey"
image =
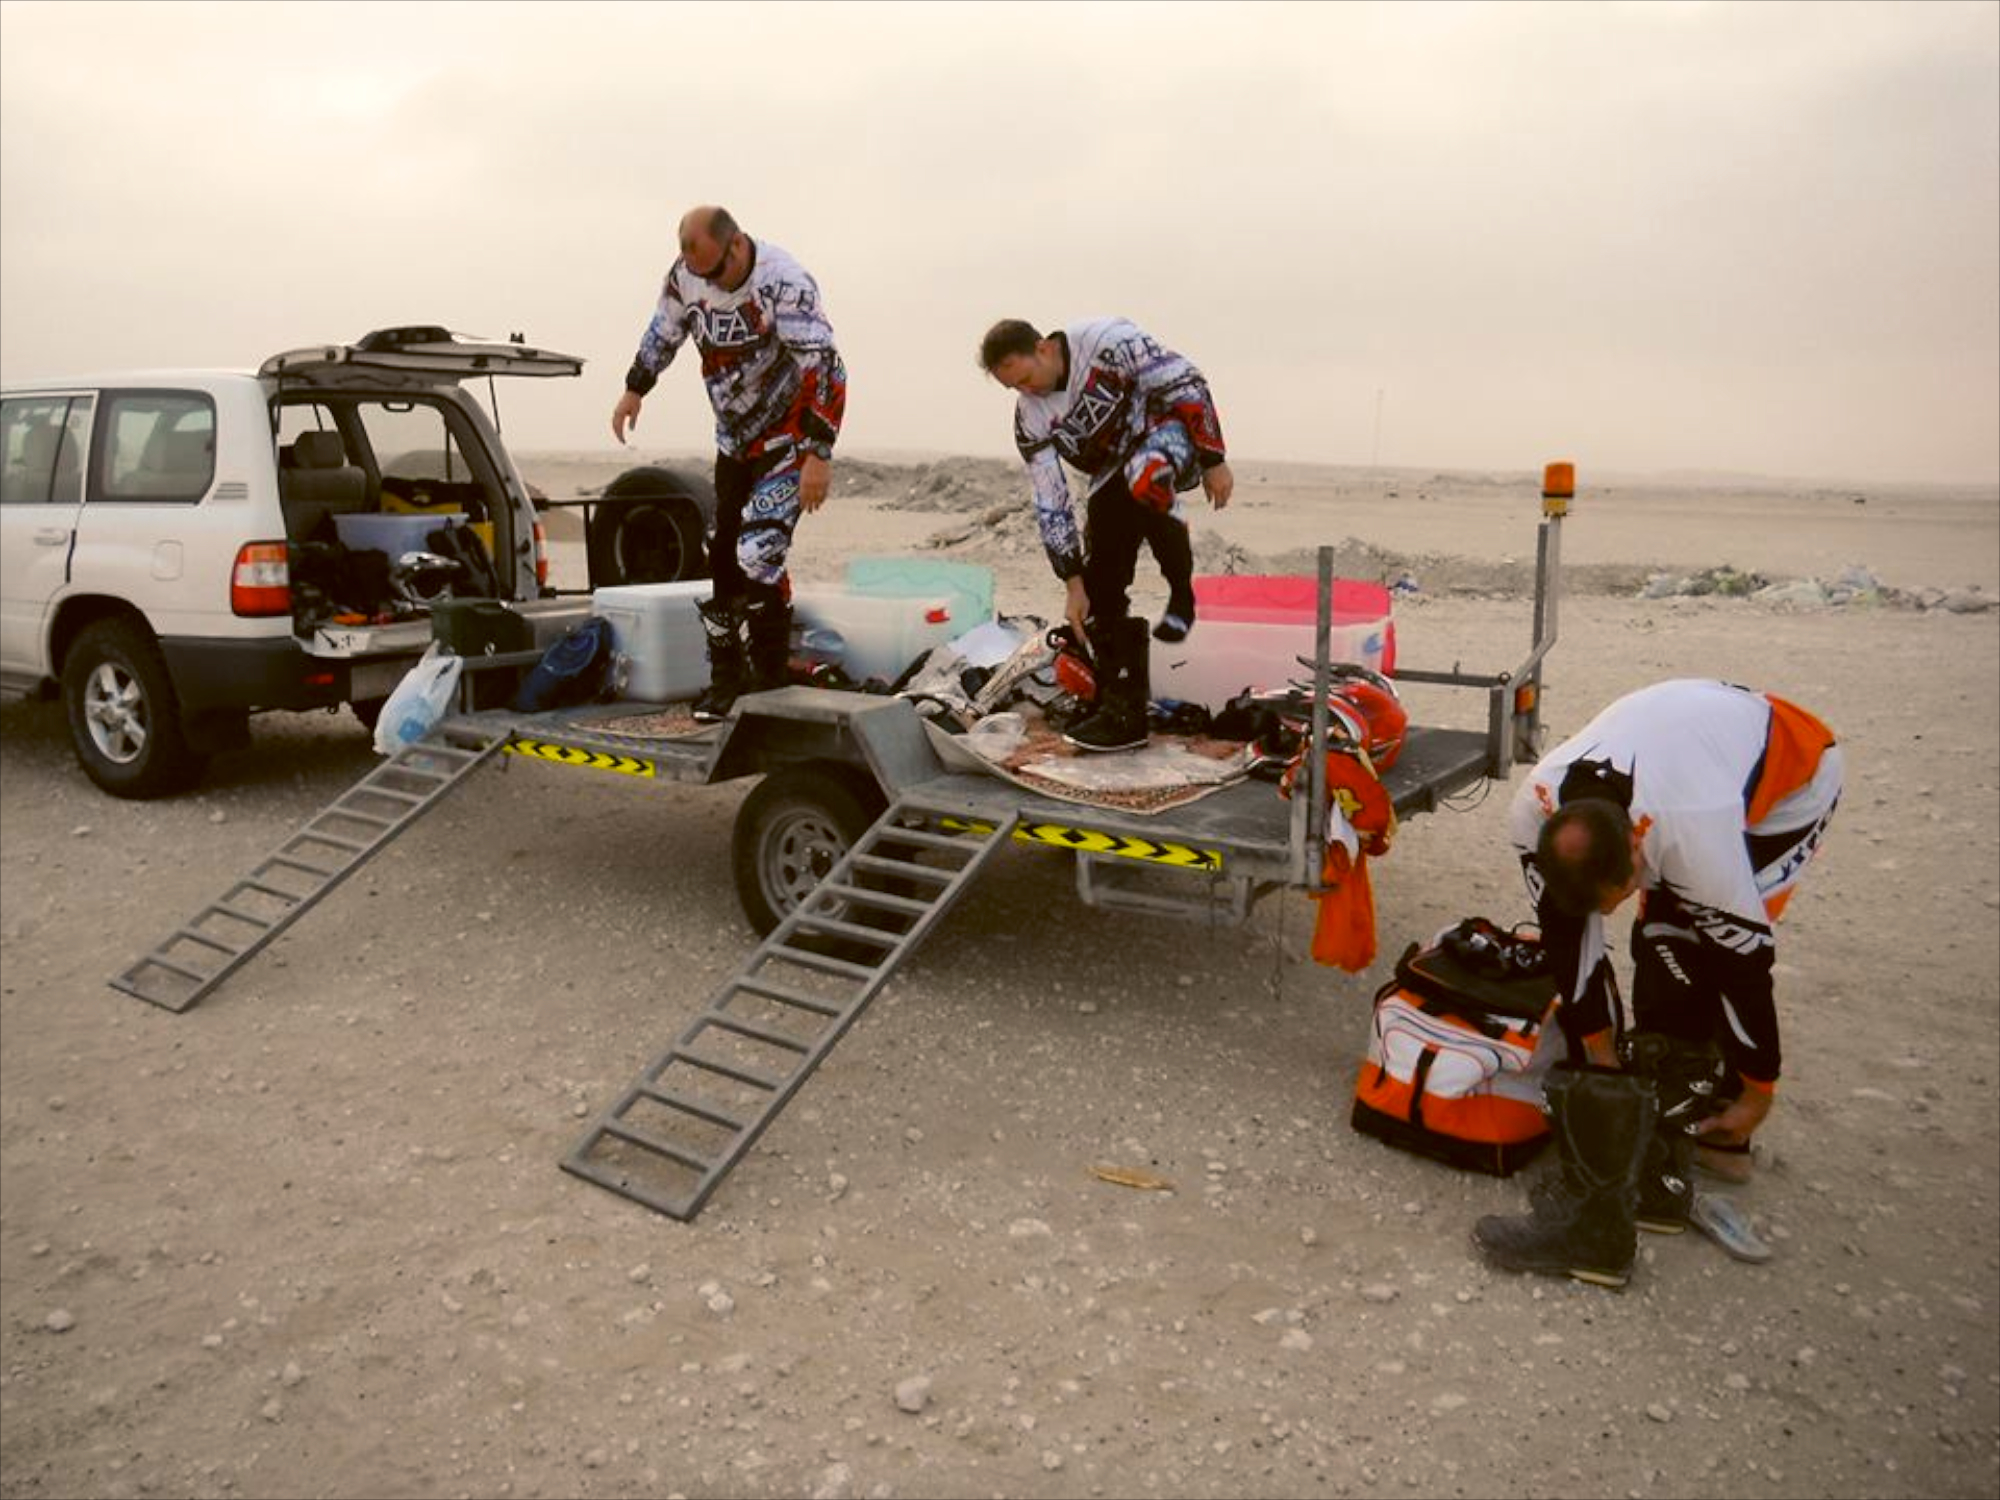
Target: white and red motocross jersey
x,y
1731,790
1122,382
767,353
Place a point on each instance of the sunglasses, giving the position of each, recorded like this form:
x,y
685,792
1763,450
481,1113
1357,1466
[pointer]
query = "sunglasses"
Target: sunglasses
x,y
721,263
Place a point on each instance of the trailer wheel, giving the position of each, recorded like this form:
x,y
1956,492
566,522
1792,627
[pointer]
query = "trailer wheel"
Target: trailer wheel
x,y
791,831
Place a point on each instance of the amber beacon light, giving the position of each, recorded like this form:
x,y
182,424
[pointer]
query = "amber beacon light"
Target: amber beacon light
x,y
1558,488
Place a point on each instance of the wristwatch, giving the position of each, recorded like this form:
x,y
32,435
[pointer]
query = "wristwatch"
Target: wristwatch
x,y
819,448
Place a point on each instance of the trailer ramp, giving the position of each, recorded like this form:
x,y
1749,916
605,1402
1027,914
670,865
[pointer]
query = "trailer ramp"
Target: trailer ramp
x,y
330,846
669,1140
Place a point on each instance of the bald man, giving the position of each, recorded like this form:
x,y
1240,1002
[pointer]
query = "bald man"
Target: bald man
x,y
779,391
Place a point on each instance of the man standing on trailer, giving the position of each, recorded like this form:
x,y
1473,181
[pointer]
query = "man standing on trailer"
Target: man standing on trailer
x,y
779,391
1138,419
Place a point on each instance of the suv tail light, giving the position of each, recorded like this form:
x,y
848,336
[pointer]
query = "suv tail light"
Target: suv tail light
x,y
261,581
541,554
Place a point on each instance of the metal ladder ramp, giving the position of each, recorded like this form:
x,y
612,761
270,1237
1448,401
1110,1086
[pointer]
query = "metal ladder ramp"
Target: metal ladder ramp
x,y
330,846
675,1133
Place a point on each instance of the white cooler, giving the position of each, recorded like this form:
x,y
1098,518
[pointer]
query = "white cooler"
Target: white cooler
x,y
658,633
877,637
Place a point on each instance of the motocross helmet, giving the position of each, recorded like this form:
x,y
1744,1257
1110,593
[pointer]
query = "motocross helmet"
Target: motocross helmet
x,y
1373,698
1074,673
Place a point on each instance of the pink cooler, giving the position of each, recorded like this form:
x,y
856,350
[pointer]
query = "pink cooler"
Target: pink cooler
x,y
1258,633
1288,599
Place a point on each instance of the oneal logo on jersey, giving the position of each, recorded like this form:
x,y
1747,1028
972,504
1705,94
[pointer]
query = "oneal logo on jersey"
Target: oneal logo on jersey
x,y
727,327
1091,409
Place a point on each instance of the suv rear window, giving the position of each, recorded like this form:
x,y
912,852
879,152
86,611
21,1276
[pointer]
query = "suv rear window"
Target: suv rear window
x,y
157,445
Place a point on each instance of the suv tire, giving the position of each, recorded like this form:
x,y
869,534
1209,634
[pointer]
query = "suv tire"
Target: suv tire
x,y
124,718
651,527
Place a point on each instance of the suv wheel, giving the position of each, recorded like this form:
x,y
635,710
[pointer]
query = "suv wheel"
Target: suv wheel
x,y
650,527
124,719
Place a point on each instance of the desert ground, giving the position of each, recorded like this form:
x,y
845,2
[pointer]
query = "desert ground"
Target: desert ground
x,y
310,1238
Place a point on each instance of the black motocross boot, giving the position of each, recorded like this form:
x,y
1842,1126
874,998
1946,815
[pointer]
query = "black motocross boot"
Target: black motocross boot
x,y
1683,1078
1123,678
1582,1224
769,626
722,625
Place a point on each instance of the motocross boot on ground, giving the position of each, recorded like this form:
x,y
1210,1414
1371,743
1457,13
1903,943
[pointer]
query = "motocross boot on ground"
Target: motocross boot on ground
x,y
1683,1077
1581,1223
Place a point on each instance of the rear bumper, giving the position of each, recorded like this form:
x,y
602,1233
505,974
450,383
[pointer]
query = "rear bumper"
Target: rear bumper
x,y
270,673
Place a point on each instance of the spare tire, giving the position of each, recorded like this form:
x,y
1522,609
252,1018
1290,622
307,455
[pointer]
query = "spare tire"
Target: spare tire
x,y
652,526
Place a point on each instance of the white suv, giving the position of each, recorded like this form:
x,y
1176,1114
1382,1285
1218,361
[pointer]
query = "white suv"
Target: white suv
x,y
180,548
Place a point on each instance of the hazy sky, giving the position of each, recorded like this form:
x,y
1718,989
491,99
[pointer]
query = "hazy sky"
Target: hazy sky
x,y
1744,236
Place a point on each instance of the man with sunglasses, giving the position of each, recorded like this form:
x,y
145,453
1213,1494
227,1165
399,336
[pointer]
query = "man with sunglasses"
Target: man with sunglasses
x,y
779,391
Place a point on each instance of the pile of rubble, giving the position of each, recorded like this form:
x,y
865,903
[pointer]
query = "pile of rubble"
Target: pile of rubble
x,y
1855,586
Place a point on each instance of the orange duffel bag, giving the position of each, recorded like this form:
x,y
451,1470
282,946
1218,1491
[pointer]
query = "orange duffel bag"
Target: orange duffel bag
x,y
1448,1071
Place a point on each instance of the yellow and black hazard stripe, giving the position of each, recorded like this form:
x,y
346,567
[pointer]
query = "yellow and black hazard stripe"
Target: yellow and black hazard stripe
x,y
573,755
1092,841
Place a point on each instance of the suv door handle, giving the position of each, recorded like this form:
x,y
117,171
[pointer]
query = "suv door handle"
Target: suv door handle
x,y
51,536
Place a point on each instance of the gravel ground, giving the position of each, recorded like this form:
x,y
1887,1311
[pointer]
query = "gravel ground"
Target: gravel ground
x,y
310,1237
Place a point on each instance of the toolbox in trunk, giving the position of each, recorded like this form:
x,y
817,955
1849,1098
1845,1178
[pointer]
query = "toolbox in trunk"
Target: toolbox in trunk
x,y
480,627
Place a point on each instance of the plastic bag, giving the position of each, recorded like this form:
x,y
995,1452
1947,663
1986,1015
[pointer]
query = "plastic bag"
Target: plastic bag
x,y
419,701
997,736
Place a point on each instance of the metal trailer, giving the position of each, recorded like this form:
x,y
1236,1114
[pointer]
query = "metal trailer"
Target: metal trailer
x,y
853,846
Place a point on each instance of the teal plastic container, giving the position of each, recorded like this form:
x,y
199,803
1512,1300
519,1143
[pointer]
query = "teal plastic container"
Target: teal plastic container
x,y
968,586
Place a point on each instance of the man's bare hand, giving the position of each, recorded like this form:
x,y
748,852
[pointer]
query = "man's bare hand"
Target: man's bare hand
x,y
1218,484
1735,1125
626,414
814,477
1076,610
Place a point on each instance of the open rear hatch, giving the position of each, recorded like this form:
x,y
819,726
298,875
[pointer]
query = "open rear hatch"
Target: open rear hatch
x,y
423,350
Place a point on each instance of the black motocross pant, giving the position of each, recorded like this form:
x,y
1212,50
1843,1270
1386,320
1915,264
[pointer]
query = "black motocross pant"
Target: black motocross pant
x,y
1115,527
737,486
1677,990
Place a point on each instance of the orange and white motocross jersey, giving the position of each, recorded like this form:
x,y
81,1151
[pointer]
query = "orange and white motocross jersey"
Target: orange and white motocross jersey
x,y
1731,790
